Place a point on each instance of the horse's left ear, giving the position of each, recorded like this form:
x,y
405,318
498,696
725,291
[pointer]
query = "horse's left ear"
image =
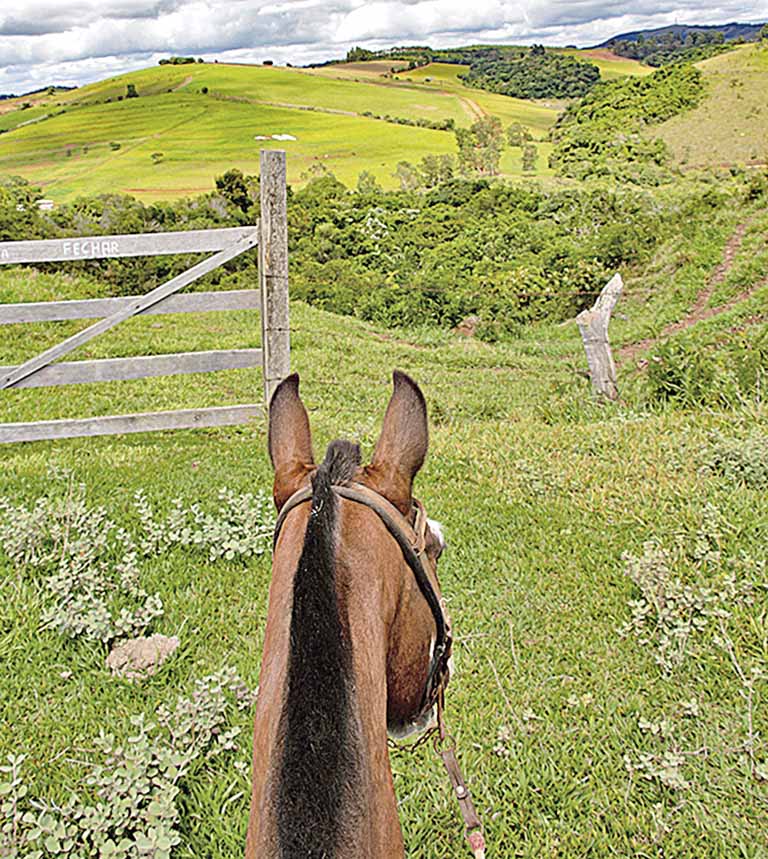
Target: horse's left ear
x,y
290,440
402,445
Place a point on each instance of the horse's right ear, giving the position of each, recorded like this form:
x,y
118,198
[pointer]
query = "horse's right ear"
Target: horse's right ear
x,y
290,440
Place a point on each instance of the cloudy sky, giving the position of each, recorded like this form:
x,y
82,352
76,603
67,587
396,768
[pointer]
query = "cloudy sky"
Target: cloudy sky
x,y
77,41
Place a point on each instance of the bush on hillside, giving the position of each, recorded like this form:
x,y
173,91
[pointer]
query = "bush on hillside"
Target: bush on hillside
x,y
692,372
605,133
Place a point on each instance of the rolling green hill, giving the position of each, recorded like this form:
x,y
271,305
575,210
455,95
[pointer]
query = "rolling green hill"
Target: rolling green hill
x,y
730,126
192,122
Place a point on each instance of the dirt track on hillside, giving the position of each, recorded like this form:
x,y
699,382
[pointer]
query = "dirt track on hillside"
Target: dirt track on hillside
x,y
699,311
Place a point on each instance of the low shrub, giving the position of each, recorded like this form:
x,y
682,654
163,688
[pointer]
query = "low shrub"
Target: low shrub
x,y
741,462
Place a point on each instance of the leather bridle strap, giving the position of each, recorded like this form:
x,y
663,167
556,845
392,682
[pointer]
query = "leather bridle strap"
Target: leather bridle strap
x,y
411,544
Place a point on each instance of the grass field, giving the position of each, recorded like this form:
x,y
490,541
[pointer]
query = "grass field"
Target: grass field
x,y
443,77
730,126
200,135
575,739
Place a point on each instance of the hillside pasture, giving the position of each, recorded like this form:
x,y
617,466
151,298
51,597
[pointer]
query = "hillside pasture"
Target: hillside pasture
x,y
201,137
730,126
93,140
575,740
538,117
446,73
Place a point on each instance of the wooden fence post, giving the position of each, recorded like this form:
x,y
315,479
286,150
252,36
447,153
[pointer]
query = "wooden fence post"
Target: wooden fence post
x,y
273,270
593,326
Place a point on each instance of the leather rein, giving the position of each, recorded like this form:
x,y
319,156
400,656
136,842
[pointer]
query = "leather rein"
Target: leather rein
x,y
411,538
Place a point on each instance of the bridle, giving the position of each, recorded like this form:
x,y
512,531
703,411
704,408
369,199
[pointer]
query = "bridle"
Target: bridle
x,y
412,540
411,537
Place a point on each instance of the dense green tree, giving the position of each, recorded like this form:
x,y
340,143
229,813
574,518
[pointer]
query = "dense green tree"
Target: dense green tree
x,y
358,55
409,176
130,91
671,47
518,134
235,189
530,156
534,74
436,169
480,146
367,184
19,216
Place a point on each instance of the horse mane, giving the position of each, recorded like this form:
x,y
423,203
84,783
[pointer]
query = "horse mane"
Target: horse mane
x,y
317,777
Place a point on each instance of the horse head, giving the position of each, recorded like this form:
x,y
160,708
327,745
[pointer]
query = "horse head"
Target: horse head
x,y
356,643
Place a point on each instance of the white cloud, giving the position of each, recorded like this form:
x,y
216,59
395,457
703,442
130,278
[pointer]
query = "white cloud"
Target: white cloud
x,y
76,41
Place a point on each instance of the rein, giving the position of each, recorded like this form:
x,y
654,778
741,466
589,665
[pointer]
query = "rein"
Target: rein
x,y
411,538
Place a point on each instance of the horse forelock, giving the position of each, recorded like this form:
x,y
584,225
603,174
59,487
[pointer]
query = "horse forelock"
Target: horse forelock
x,y
320,759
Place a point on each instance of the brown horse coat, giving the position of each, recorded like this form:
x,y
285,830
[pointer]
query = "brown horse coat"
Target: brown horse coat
x,y
347,644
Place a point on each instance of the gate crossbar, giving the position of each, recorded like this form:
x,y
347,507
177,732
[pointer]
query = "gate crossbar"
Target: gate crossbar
x,y
34,365
271,237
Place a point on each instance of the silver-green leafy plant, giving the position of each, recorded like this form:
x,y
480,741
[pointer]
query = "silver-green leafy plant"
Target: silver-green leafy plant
x,y
740,461
683,589
90,566
131,808
241,526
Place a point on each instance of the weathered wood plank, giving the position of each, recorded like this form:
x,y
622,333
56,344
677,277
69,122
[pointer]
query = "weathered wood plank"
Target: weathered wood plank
x,y
137,306
128,245
273,270
139,367
117,424
98,308
593,326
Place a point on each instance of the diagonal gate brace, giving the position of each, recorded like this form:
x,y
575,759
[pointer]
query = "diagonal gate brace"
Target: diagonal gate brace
x,y
33,365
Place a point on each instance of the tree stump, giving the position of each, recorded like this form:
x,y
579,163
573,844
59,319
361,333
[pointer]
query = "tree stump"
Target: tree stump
x,y
593,326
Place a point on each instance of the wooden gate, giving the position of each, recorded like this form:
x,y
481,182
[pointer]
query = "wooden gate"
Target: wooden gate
x,y
271,298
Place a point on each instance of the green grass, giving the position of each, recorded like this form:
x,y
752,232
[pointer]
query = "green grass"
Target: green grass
x,y
445,73
203,135
541,494
730,126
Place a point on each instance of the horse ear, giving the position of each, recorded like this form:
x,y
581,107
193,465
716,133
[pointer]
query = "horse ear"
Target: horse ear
x,y
402,445
290,439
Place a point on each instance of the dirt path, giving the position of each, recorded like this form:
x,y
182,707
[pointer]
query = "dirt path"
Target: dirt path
x,y
699,311
471,108
186,82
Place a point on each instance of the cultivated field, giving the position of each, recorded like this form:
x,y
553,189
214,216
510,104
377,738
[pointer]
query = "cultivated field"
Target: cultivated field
x,y
730,126
579,739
